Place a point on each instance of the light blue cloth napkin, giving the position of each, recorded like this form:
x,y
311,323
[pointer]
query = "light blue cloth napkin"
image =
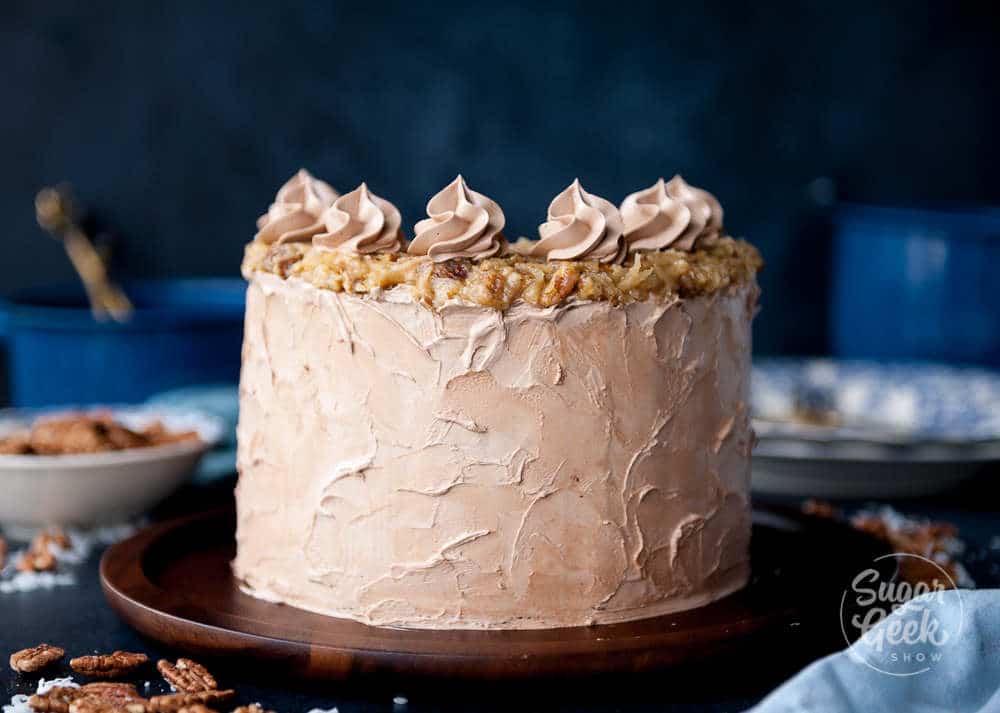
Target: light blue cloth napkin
x,y
964,679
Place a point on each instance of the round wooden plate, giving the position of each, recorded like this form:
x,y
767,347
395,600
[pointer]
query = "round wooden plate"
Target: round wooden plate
x,y
172,582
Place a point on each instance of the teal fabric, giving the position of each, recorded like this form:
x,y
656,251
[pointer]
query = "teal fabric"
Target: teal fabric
x,y
965,678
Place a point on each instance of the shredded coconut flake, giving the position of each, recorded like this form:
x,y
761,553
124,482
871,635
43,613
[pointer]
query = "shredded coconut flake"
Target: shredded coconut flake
x,y
46,686
83,542
31,581
19,703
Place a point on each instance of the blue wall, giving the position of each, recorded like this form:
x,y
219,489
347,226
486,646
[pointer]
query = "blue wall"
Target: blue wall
x,y
177,121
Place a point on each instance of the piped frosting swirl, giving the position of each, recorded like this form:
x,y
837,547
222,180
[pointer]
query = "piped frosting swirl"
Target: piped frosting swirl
x,y
294,216
362,222
670,214
581,226
461,223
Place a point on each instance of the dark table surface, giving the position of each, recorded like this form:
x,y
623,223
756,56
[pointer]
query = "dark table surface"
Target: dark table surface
x,y
78,619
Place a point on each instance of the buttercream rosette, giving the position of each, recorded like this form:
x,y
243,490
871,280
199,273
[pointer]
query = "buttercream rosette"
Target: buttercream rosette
x,y
581,226
670,214
361,222
460,224
294,216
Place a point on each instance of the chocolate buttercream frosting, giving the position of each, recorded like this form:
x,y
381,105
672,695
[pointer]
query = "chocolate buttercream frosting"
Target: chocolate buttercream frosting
x,y
361,222
294,216
461,223
475,468
510,443
670,215
581,226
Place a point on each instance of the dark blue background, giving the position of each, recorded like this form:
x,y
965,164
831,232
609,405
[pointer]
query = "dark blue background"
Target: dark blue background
x,y
177,121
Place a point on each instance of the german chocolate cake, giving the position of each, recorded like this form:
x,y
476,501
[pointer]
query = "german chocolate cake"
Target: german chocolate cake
x,y
452,431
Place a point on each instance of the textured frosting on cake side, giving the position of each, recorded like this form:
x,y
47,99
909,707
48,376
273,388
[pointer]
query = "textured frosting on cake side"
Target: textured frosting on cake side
x,y
465,467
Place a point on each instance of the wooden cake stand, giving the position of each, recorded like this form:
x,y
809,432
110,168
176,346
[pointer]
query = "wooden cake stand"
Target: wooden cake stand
x,y
172,583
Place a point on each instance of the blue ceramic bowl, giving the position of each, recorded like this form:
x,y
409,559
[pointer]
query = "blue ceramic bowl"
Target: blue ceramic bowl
x,y
183,332
916,284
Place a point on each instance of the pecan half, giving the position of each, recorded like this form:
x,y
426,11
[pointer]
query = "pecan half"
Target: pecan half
x,y
451,269
119,663
107,697
57,700
173,702
186,675
17,445
560,286
197,708
111,691
821,508
36,658
36,561
52,536
3,552
95,704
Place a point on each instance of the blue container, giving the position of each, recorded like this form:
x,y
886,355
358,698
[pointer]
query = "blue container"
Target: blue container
x,y
916,284
183,332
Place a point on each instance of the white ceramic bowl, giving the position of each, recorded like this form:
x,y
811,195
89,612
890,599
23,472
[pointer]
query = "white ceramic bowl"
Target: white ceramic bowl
x,y
99,488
